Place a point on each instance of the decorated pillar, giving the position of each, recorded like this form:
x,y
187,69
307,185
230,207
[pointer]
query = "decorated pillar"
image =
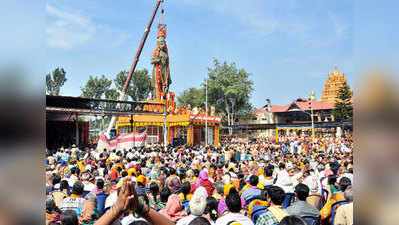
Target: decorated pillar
x,y
216,136
276,134
190,134
168,136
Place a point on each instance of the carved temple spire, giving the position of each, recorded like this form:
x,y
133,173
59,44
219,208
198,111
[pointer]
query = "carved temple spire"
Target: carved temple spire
x,y
333,83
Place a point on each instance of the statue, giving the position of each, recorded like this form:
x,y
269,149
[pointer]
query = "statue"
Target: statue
x,y
195,111
213,110
161,79
170,109
149,97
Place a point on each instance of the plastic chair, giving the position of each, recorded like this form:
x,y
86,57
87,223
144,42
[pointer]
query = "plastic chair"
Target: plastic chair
x,y
311,220
324,198
258,211
314,200
267,187
256,204
289,198
101,202
248,201
85,193
186,206
334,209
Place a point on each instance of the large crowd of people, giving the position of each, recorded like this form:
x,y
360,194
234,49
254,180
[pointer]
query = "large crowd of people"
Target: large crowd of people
x,y
257,181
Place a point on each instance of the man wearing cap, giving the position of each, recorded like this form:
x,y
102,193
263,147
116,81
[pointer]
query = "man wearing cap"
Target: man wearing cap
x,y
88,186
141,181
65,158
197,206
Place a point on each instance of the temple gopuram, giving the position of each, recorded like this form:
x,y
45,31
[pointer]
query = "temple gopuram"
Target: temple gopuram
x,y
186,124
334,81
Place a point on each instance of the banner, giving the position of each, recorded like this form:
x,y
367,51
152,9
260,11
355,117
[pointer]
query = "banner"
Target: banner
x,y
123,141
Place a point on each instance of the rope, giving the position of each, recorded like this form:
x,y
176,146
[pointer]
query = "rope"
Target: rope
x,y
162,14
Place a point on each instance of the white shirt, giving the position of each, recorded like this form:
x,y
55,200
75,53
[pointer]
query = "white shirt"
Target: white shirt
x,y
71,180
130,219
101,171
284,181
214,156
313,184
96,155
88,186
283,178
186,220
236,217
111,199
292,147
265,182
112,155
130,155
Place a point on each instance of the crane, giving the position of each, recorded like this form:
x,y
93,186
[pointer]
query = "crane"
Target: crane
x,y
133,67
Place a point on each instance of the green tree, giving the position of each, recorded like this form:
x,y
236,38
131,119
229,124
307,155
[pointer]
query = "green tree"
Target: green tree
x,y
229,90
192,96
96,87
343,107
139,86
111,94
55,81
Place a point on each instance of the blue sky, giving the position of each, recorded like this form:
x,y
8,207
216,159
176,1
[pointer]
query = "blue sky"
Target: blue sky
x,y
288,46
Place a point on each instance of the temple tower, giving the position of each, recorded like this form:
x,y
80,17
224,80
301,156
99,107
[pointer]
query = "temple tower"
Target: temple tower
x,y
334,81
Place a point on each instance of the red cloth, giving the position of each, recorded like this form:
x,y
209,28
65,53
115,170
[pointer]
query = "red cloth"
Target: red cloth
x,y
193,187
114,174
208,186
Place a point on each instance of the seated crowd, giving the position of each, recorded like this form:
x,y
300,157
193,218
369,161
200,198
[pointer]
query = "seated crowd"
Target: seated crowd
x,y
237,183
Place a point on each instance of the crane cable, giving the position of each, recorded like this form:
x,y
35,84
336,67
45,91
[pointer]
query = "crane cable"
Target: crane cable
x,y
161,17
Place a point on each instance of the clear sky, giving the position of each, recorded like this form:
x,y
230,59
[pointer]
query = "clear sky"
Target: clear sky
x,y
288,46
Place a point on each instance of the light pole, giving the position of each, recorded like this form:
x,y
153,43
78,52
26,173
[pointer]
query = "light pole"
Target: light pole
x,y
267,113
312,98
206,112
233,101
165,130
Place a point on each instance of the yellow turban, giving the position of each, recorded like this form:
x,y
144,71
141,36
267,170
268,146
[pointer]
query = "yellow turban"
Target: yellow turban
x,y
132,171
260,172
231,167
227,188
141,179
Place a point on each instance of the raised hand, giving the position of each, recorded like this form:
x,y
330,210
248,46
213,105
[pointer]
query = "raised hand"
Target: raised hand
x,y
125,197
